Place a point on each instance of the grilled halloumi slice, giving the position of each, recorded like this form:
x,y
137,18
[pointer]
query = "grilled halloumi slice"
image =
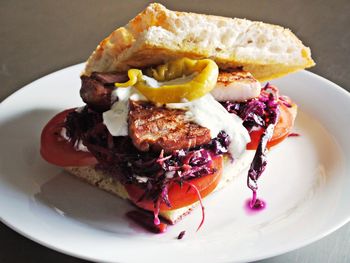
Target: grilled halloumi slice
x,y
237,85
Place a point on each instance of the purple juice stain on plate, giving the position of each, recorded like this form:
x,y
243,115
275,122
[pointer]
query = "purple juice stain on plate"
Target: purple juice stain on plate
x,y
146,221
253,208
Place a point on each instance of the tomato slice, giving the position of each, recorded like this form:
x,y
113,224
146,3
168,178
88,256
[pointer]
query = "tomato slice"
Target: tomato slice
x,y
282,129
181,196
57,150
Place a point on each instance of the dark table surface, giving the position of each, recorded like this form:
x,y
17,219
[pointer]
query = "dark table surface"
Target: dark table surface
x,y
39,37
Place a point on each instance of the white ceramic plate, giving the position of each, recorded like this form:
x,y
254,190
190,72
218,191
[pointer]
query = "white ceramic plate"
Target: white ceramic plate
x,y
305,186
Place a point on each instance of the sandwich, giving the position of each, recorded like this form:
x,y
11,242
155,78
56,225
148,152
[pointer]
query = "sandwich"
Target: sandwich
x,y
175,109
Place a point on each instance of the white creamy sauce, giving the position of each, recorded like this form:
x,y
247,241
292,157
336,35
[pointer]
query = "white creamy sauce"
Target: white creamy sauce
x,y
141,179
209,113
205,111
151,82
156,84
79,146
116,119
64,134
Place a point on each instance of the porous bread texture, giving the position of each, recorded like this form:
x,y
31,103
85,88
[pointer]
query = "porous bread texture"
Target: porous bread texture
x,y
97,178
158,35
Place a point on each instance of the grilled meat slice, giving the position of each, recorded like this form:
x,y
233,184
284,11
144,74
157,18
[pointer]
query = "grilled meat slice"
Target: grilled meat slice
x,y
159,128
96,90
108,79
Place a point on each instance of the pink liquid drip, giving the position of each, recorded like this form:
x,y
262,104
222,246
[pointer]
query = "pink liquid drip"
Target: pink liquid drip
x,y
146,220
255,204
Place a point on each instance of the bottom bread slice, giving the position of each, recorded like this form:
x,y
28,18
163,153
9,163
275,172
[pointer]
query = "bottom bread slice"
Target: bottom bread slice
x,y
107,183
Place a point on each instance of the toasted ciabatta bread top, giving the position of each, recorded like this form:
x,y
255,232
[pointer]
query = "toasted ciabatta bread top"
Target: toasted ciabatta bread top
x,y
157,35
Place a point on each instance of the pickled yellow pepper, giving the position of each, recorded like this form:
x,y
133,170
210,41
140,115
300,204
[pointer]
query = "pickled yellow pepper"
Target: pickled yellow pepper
x,y
205,73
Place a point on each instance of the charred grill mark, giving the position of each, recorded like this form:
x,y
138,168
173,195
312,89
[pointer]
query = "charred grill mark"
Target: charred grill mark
x,y
227,77
160,128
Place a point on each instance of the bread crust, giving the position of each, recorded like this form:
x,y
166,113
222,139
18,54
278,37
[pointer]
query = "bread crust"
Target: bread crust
x,y
158,35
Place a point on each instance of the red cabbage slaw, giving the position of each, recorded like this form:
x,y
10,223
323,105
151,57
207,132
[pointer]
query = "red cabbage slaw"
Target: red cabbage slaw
x,y
261,112
152,171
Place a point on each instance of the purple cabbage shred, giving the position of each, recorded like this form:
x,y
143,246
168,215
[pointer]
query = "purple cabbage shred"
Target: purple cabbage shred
x,y
261,112
181,235
151,171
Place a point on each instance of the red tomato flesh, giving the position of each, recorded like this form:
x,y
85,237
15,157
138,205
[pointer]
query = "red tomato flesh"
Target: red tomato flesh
x,y
282,129
181,196
57,150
